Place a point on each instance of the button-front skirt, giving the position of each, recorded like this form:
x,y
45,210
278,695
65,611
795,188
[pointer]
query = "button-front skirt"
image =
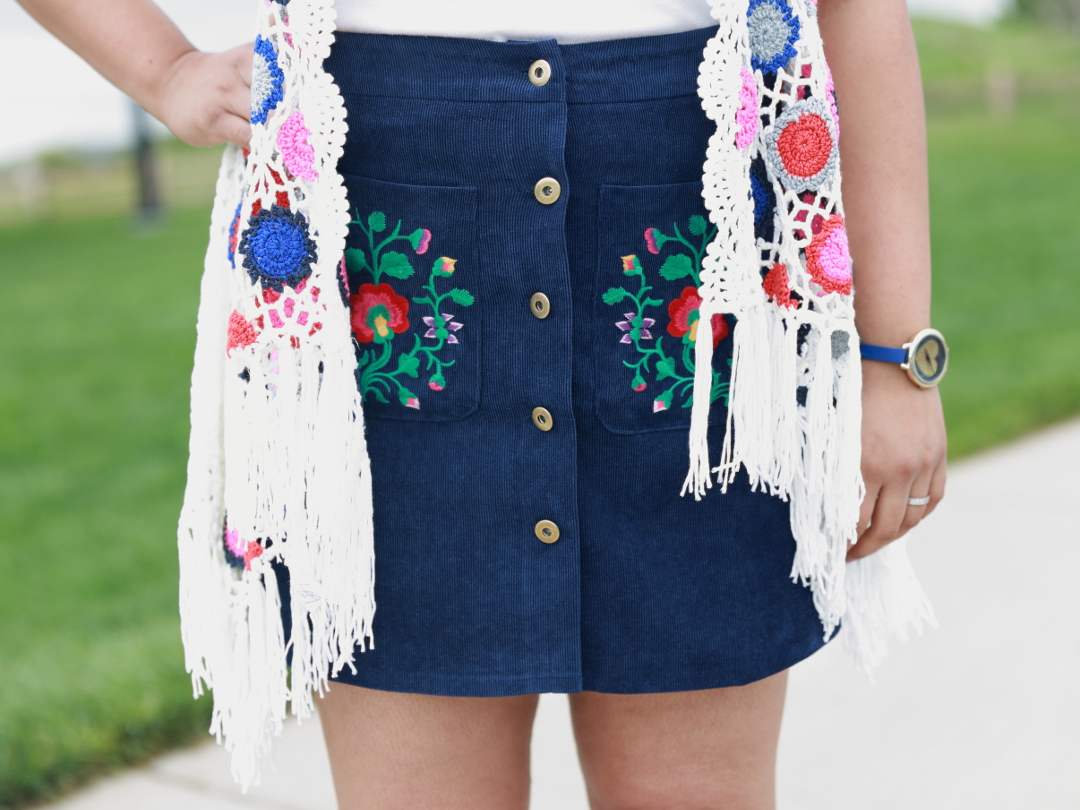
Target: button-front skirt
x,y
521,269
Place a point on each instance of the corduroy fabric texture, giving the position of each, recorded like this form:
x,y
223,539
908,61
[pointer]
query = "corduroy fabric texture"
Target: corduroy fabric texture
x,y
644,591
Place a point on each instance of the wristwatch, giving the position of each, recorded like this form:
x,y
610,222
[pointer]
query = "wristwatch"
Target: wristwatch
x,y
924,359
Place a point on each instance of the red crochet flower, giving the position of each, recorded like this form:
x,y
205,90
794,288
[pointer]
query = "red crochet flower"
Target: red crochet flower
x,y
828,259
777,286
684,315
805,145
378,313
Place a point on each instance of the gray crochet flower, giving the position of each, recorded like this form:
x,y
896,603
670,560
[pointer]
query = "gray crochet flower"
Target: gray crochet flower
x,y
774,29
800,146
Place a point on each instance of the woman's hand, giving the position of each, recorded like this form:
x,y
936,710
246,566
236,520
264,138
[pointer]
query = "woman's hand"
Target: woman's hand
x,y
205,98
903,455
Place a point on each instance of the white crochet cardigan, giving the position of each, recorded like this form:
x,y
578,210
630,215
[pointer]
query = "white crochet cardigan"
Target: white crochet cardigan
x,y
277,433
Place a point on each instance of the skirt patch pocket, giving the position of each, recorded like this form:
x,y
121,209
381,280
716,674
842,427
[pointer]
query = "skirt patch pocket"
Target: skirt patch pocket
x,y
652,241
411,279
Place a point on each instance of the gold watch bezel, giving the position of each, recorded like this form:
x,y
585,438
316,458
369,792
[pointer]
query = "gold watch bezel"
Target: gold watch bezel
x,y
914,373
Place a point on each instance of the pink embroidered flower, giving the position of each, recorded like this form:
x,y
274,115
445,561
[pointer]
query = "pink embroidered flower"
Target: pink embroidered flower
x,y
631,264
660,405
434,386
828,259
747,115
777,286
298,154
651,241
445,265
684,313
378,313
412,402
421,240
638,383
241,333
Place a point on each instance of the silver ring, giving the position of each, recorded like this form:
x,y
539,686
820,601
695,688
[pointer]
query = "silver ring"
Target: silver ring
x,y
919,501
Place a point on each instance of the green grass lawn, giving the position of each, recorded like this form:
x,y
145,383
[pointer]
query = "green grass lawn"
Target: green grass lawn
x,y
98,332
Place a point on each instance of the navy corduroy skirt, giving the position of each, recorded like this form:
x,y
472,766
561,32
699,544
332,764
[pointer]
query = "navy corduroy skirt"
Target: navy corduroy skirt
x,y
522,270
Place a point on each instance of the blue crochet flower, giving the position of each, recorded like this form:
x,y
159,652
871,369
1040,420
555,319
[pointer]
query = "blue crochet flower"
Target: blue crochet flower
x,y
764,200
774,30
277,248
267,80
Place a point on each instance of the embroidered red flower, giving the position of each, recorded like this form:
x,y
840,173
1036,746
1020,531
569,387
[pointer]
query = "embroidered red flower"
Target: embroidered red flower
x,y
684,314
778,287
828,259
378,313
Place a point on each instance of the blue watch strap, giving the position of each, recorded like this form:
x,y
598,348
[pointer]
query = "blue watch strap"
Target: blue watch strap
x,y
886,354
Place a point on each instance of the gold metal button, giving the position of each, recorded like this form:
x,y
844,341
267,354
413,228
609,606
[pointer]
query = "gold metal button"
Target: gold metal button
x,y
546,531
547,190
539,305
542,418
539,72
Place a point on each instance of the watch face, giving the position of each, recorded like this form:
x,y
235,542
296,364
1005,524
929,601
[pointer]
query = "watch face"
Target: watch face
x,y
928,358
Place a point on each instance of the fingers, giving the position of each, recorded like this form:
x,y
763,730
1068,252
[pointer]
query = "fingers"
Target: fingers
x,y
235,129
913,514
885,523
937,488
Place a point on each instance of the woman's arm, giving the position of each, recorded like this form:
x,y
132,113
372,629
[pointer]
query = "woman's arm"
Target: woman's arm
x,y
203,98
871,50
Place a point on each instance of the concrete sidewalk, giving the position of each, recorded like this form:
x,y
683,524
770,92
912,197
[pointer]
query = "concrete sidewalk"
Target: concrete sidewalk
x,y
982,713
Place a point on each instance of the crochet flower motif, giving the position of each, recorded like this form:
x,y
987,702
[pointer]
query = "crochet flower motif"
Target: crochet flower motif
x,y
778,287
800,147
830,96
774,30
241,333
828,259
296,152
685,312
378,313
761,188
747,114
277,248
267,81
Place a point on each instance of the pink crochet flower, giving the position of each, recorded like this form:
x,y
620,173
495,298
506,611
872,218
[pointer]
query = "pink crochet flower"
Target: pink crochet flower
x,y
830,96
298,154
241,333
747,114
828,259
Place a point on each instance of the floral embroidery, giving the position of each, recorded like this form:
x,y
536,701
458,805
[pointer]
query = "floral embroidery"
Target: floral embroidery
x,y
267,80
747,115
774,30
296,152
801,146
277,248
778,287
828,259
652,361
379,313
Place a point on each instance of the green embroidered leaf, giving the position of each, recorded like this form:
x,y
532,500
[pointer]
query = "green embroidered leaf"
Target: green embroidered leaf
x,y
377,221
395,264
408,364
355,260
463,297
697,225
615,295
665,368
677,266
651,302
379,395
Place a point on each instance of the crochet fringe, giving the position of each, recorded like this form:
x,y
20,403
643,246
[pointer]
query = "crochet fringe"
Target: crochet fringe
x,y
278,463
808,454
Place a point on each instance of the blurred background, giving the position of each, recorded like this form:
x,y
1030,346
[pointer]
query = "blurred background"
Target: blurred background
x,y
98,344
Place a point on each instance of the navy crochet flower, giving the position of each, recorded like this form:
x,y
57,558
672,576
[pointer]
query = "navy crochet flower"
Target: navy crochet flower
x,y
774,30
277,248
267,80
764,200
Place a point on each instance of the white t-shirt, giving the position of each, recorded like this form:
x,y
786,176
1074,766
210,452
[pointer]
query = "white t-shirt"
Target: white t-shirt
x,y
501,20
